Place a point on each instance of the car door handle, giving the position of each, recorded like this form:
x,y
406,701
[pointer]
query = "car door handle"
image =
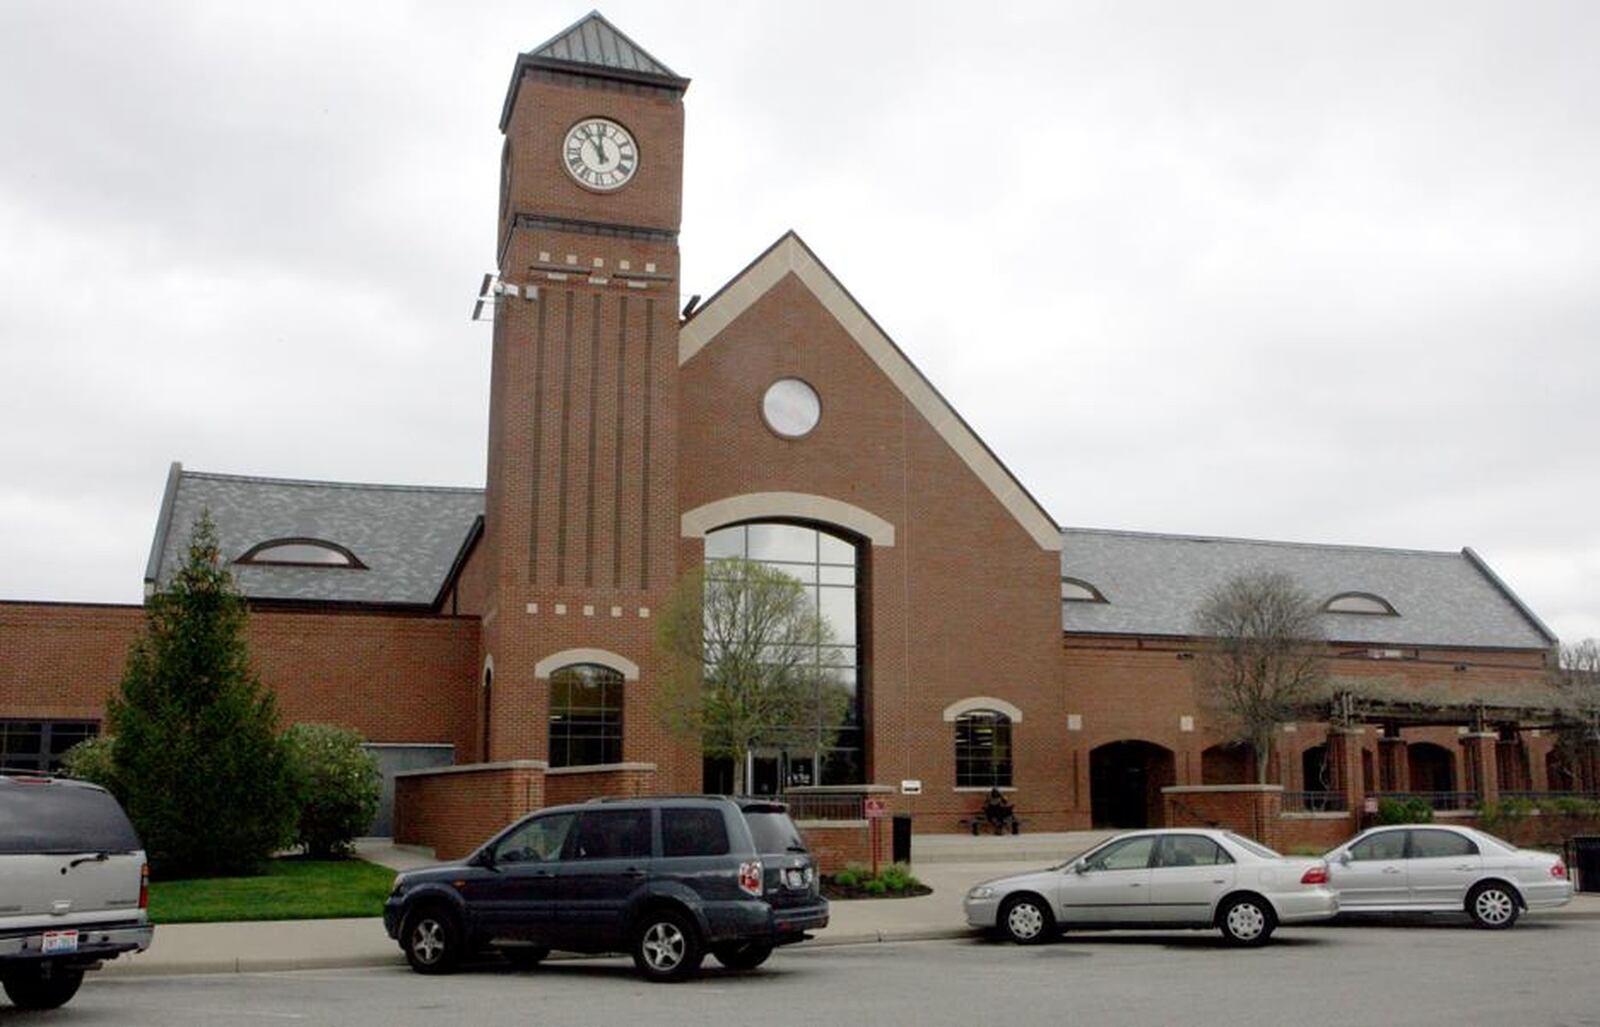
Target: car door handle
x,y
1219,880
633,872
1136,884
1391,870
1468,867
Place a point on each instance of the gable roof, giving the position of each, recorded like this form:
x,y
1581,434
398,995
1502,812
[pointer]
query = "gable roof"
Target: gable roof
x,y
1154,583
410,538
791,255
592,46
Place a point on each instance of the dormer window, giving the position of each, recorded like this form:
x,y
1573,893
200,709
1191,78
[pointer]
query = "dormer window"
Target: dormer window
x,y
1360,602
301,552
1075,590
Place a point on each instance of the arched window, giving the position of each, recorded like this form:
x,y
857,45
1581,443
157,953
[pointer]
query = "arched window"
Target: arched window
x,y
827,566
301,552
1360,602
983,750
585,715
1076,590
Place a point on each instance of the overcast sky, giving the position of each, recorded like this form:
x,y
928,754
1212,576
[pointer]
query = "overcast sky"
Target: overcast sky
x,y
1309,272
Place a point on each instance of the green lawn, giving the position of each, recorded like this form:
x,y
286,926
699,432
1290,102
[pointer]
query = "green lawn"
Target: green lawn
x,y
291,889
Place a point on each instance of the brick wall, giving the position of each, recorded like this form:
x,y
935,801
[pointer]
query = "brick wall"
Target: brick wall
x,y
400,678
836,844
1250,810
563,785
454,810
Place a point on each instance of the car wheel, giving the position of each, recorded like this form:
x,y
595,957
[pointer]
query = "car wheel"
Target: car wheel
x,y
42,986
1246,920
433,940
1492,905
667,946
524,957
1027,920
746,955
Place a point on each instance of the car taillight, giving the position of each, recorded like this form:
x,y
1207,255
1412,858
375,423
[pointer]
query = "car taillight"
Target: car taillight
x,y
144,886
750,877
1558,869
1315,875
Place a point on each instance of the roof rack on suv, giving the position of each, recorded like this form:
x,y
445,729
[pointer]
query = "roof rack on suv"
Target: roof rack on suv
x,y
700,796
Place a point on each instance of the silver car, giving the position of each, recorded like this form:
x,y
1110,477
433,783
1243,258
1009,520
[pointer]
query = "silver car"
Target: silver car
x,y
1440,868
1175,878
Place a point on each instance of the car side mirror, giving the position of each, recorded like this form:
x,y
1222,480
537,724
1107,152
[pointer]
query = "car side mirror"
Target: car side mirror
x,y
1080,868
484,858
1344,858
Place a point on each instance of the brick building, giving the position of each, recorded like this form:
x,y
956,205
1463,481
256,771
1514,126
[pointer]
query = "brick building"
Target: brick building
x,y
497,645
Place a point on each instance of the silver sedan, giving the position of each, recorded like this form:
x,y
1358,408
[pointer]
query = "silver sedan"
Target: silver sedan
x,y
1175,878
1441,868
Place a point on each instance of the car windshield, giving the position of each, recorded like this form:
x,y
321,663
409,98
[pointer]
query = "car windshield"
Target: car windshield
x,y
50,817
1252,847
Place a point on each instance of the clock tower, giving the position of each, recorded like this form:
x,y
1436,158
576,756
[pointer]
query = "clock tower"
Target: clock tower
x,y
581,520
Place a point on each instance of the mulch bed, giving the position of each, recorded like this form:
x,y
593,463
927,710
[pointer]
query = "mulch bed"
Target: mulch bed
x,y
834,892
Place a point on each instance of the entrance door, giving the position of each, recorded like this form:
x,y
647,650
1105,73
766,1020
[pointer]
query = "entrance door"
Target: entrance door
x,y
1125,782
766,772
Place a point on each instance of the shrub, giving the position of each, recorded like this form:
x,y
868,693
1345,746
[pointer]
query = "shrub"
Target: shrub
x,y
875,886
897,877
846,878
336,787
92,760
1404,811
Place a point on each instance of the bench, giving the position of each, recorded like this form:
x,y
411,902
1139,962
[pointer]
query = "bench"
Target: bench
x,y
976,822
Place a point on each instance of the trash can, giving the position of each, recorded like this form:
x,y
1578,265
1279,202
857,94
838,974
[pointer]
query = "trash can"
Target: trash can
x,y
902,837
1583,856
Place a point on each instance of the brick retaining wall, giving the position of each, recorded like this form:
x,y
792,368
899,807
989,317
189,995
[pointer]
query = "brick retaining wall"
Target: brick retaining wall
x,y
455,809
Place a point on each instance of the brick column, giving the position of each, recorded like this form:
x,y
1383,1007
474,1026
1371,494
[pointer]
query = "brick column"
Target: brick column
x,y
1394,772
1344,758
1480,764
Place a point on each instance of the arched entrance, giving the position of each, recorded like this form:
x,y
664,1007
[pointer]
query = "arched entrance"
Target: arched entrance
x,y
1228,764
1433,767
1125,782
1316,774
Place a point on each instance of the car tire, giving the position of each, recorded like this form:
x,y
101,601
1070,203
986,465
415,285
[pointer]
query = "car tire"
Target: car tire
x,y
1027,920
1246,920
432,940
666,946
42,986
524,957
1492,906
744,955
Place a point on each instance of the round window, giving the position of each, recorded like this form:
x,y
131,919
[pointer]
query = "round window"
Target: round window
x,y
791,407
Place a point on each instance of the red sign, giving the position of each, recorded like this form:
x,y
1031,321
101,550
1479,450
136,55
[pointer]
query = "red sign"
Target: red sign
x,y
875,808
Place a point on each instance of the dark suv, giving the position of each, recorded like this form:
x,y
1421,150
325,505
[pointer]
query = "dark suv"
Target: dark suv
x,y
665,878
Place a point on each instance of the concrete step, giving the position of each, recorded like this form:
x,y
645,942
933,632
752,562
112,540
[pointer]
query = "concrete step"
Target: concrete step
x,y
1045,846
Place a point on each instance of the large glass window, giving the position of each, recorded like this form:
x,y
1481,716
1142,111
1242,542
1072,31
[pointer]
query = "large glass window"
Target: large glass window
x,y
585,716
41,744
827,567
983,750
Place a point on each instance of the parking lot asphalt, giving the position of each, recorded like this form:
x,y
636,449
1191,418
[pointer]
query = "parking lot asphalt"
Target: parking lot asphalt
x,y
323,944
1433,973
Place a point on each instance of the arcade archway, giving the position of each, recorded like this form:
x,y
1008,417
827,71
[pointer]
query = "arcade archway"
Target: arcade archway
x,y
1125,782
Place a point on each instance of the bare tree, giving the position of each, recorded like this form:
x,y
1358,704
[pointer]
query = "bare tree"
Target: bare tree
x,y
1261,658
742,642
1576,676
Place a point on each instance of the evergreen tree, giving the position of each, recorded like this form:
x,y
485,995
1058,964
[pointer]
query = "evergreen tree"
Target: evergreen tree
x,y
198,759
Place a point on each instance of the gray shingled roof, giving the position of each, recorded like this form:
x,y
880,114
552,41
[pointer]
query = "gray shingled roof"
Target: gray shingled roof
x,y
408,537
595,41
1154,583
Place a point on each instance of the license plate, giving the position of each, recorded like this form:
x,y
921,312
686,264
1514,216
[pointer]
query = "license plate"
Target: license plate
x,y
60,941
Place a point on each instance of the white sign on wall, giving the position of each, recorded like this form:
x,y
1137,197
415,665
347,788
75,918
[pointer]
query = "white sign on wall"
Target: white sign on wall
x,y
911,787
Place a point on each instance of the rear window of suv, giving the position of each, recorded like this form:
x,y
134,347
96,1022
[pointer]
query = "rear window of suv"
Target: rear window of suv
x,y
51,817
693,832
773,830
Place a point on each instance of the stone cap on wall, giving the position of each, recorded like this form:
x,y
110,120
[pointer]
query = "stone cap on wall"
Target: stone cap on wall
x,y
1193,789
473,768
598,768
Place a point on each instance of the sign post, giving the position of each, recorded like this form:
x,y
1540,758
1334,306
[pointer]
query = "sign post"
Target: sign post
x,y
875,810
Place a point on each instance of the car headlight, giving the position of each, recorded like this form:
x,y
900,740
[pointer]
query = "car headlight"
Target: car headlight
x,y
983,891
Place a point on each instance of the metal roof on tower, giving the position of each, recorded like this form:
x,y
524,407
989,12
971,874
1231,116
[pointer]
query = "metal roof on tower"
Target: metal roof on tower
x,y
593,46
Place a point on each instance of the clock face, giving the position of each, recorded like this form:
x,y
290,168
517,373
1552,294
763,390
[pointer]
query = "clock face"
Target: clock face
x,y
600,154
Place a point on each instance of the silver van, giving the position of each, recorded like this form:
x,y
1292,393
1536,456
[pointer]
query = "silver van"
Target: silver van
x,y
74,886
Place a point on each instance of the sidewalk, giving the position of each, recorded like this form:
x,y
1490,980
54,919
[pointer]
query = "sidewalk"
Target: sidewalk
x,y
320,944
